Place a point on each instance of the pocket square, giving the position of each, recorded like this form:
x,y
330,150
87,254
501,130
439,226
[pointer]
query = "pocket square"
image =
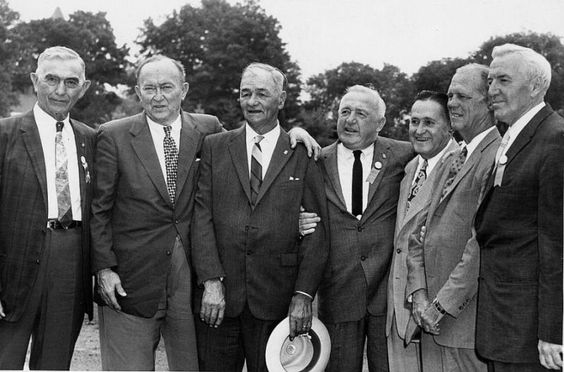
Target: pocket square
x,y
293,179
198,159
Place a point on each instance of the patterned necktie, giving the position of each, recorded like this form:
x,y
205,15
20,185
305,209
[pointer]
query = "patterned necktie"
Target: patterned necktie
x,y
357,184
419,180
256,169
455,167
62,179
171,163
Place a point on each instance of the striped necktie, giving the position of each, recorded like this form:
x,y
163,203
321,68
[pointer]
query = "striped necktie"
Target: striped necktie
x,y
62,179
256,169
419,180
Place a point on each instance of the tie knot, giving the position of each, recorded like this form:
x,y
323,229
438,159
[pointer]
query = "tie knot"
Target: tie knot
x,y
167,129
424,165
258,139
60,126
356,154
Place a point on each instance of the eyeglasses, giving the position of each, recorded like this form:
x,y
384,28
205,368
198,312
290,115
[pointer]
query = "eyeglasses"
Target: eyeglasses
x,y
54,80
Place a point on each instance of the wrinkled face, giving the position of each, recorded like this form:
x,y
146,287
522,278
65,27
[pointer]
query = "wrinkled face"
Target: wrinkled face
x,y
467,106
59,84
359,120
161,89
510,88
260,99
428,128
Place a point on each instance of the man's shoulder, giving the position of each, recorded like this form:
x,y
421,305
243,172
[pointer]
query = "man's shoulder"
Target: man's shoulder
x,y
122,124
13,121
84,128
204,123
401,149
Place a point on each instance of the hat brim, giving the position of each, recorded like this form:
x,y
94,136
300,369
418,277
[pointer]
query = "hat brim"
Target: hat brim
x,y
319,343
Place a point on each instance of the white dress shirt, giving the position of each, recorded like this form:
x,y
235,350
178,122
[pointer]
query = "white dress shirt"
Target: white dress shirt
x,y
158,134
345,161
267,146
519,125
431,163
47,127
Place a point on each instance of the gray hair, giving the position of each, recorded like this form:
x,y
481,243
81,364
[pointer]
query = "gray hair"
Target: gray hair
x,y
277,75
538,68
157,58
380,104
62,53
480,70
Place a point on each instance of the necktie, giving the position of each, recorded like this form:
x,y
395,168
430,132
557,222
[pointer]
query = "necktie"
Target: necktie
x,y
357,184
62,179
502,146
171,163
256,169
419,180
455,167
500,159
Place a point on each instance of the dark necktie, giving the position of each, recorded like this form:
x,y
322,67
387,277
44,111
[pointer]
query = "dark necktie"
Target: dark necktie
x,y
357,184
256,169
419,180
171,163
455,167
62,179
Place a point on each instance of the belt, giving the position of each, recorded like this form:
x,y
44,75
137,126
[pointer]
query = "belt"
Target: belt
x,y
56,225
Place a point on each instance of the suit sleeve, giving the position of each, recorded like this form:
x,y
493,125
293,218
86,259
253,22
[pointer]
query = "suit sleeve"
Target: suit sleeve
x,y
105,190
550,242
313,248
416,279
205,254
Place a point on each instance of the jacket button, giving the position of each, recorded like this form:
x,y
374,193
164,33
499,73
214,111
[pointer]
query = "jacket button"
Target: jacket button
x,y
37,261
176,222
359,228
168,253
398,251
362,258
246,228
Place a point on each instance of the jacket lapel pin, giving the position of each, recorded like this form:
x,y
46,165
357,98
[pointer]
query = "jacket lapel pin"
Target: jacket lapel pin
x,y
86,171
374,172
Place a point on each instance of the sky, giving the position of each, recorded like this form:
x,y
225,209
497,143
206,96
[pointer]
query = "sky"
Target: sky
x,y
322,34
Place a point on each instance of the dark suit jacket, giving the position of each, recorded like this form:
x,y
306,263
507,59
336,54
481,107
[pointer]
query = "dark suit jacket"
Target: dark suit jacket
x,y
23,208
355,279
447,262
134,224
257,250
519,226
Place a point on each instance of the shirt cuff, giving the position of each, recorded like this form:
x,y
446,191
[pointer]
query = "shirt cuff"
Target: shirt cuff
x,y
305,294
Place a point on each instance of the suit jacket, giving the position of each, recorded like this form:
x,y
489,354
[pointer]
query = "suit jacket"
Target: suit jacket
x,y
356,276
406,223
134,224
257,249
519,229
24,209
447,262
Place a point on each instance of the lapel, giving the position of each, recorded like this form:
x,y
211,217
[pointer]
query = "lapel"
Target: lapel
x,y
80,141
380,160
32,142
142,143
405,186
282,153
237,147
474,159
332,172
189,138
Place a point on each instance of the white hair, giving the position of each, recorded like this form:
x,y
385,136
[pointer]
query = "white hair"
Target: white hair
x,y
380,104
62,53
538,68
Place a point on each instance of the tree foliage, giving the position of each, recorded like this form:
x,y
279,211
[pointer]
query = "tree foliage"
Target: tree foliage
x,y
91,36
436,75
8,18
215,42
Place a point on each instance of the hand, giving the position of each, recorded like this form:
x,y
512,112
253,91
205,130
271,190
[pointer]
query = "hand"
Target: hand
x,y
419,305
430,320
550,355
2,314
213,303
108,284
301,135
308,222
300,315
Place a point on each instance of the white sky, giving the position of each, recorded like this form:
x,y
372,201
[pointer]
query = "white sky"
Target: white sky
x,y
321,34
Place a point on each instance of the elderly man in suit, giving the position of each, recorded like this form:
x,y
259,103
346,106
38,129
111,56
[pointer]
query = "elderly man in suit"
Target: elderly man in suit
x,y
45,192
362,174
252,268
519,223
443,268
429,133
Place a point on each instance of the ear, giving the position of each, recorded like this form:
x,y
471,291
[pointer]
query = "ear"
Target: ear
x,y
85,87
537,88
381,123
34,78
185,89
138,92
282,100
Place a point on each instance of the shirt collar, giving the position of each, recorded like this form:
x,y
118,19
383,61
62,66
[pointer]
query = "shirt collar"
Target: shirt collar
x,y
470,147
270,136
348,153
42,117
518,126
435,159
175,125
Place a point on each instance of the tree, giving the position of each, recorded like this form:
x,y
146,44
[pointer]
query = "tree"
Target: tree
x,y
8,18
550,46
91,36
436,75
396,90
215,42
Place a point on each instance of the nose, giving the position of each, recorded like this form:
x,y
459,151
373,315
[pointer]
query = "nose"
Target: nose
x,y
452,102
420,128
252,100
158,94
61,88
492,89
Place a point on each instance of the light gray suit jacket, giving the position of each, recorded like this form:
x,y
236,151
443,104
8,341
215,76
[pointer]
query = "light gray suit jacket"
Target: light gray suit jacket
x,y
447,262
